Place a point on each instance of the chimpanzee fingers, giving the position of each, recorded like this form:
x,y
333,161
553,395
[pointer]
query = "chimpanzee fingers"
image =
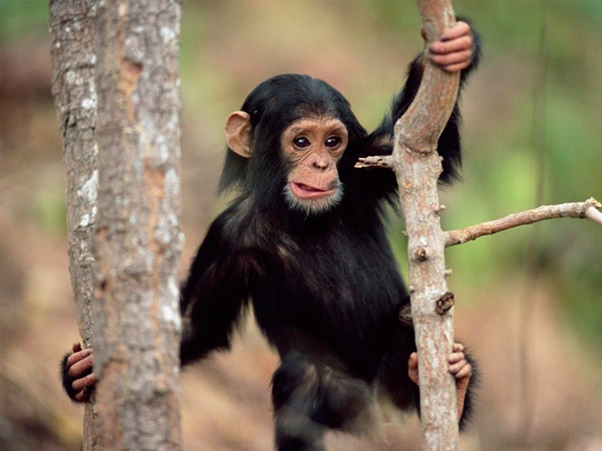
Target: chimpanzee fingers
x,y
83,395
82,383
455,368
452,69
457,45
77,356
451,58
76,347
413,367
455,357
465,372
460,29
458,347
461,369
82,367
459,366
423,33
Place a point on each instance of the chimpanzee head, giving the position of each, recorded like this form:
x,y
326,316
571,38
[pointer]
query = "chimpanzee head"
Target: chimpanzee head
x,y
286,141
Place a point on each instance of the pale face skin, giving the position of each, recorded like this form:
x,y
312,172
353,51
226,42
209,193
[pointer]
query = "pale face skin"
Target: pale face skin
x,y
314,146
313,185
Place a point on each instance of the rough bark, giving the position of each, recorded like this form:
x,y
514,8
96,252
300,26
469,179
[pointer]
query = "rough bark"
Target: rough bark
x,y
138,239
73,64
417,166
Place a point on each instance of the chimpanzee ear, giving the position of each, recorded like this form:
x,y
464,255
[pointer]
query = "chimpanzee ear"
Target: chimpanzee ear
x,y
238,133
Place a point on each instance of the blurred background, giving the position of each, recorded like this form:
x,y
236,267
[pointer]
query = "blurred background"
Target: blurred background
x,y
529,301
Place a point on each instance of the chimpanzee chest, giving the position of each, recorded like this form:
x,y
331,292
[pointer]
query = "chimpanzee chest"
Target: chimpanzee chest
x,y
341,289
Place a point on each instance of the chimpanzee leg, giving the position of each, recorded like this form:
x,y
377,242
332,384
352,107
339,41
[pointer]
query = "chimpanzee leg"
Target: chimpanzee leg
x,y
392,378
309,397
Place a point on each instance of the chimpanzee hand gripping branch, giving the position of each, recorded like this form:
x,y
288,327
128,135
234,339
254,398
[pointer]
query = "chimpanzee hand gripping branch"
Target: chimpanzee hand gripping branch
x,y
305,244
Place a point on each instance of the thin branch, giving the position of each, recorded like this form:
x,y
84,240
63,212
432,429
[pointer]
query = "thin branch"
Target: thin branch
x,y
594,214
588,209
374,163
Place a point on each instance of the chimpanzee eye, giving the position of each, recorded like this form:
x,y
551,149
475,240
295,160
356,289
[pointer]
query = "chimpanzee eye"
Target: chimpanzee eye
x,y
301,142
332,142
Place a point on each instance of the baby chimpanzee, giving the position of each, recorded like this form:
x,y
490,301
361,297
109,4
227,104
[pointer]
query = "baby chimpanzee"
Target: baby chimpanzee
x,y
304,244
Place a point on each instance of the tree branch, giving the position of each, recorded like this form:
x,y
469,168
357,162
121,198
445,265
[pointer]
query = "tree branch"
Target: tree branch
x,y
374,163
417,166
588,209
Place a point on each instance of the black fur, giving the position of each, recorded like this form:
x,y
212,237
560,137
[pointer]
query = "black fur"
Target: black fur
x,y
66,380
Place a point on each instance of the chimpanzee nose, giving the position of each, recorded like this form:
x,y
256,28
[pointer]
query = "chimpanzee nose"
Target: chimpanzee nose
x,y
320,163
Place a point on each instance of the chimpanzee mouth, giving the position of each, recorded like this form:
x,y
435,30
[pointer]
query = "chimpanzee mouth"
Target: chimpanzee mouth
x,y
311,200
303,191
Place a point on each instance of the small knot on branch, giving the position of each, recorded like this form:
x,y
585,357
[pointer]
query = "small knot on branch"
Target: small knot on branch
x,y
445,303
420,254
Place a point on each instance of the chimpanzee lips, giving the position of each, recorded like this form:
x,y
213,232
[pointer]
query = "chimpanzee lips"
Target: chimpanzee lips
x,y
303,191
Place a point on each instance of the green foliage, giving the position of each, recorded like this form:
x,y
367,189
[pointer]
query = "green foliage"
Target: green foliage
x,y
19,17
48,210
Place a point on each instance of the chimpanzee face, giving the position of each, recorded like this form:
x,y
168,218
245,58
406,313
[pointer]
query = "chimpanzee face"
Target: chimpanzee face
x,y
313,147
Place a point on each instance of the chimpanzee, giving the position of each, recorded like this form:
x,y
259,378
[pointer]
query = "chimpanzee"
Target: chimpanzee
x,y
304,243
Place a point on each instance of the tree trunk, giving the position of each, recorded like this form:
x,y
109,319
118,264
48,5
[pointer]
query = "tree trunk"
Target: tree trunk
x,y
418,166
73,64
138,240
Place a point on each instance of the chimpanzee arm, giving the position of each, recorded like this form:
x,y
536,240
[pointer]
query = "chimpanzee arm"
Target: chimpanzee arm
x,y
380,141
214,296
212,300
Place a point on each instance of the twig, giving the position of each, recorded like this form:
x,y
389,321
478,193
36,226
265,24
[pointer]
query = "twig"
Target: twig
x,y
374,163
588,209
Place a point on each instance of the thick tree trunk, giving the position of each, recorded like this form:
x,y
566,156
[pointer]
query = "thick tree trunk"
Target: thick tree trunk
x,y
138,240
73,64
